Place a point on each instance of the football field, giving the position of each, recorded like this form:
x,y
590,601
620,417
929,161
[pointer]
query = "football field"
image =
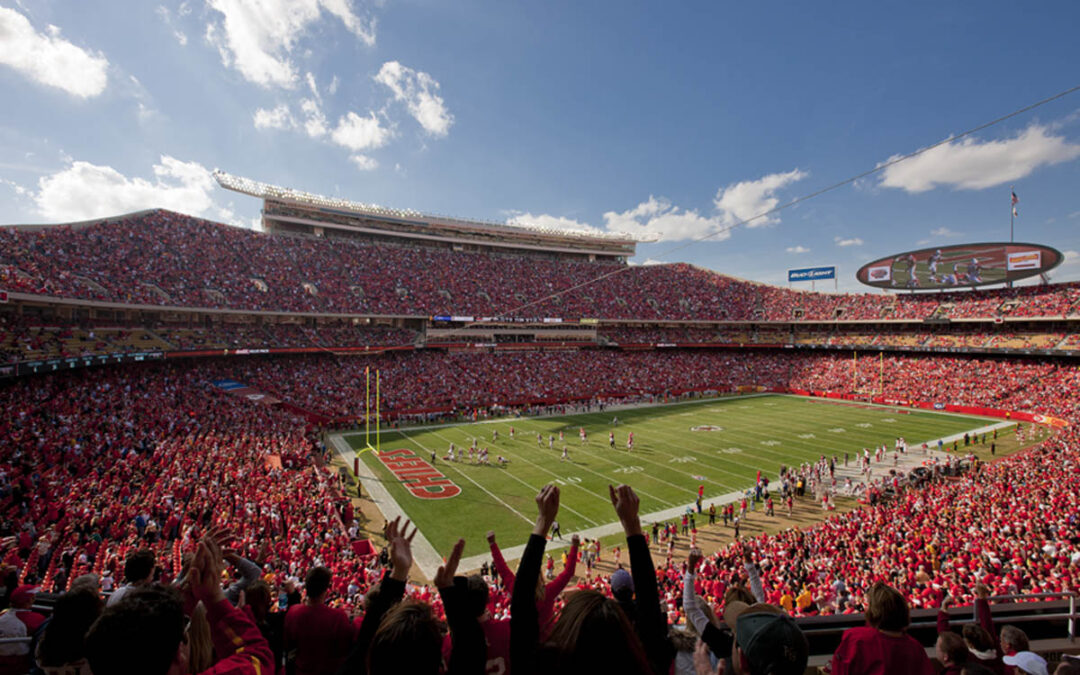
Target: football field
x,y
718,443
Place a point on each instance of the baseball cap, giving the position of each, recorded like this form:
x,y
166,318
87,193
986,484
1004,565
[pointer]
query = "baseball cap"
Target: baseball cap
x,y
24,594
770,639
1029,662
621,582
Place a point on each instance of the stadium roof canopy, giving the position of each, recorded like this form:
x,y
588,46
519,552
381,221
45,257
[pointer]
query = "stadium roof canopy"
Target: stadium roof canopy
x,y
299,209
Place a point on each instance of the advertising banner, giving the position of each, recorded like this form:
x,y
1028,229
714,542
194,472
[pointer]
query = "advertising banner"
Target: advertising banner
x,y
811,274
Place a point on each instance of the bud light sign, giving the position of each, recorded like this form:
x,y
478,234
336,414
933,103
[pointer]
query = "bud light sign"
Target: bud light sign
x,y
811,274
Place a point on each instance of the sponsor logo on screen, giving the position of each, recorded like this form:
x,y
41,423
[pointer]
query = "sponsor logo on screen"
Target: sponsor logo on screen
x,y
1025,260
880,273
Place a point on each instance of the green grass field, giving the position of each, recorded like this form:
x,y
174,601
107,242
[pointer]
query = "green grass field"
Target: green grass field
x,y
668,462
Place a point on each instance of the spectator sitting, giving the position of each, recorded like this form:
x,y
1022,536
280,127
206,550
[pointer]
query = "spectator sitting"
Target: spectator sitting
x,y
61,648
952,652
883,647
138,571
1027,662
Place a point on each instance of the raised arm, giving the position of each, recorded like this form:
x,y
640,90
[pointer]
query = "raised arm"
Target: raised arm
x,y
249,574
500,563
755,576
391,591
524,617
240,646
468,654
983,615
718,641
552,590
651,624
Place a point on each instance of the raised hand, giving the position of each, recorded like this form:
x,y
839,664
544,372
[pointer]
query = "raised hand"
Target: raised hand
x,y
694,559
981,591
444,577
400,541
702,665
575,541
626,505
547,506
204,577
491,536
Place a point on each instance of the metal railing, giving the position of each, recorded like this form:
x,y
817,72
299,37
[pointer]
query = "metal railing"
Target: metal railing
x,y
1070,616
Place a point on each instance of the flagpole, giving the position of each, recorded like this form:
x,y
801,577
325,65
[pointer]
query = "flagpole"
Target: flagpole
x,y
1012,212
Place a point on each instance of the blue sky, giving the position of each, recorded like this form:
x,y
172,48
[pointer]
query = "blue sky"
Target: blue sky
x,y
665,120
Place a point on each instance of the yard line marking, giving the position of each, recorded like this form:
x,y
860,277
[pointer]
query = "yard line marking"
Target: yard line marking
x,y
606,500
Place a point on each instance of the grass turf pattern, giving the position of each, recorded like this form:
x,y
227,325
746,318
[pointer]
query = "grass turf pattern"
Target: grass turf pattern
x,y
668,462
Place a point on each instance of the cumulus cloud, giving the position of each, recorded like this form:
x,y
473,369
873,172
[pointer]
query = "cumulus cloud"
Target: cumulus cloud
x,y
83,191
550,222
854,241
747,200
360,133
314,119
49,59
657,219
970,164
277,118
419,92
258,38
797,249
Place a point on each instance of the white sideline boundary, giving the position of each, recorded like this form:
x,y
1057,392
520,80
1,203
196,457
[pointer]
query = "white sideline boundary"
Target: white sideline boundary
x,y
428,559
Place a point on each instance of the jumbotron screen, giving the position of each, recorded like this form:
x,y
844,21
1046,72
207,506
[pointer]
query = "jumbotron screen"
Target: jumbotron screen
x,y
959,266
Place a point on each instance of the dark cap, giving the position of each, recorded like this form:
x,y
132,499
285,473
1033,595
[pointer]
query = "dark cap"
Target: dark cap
x,y
770,639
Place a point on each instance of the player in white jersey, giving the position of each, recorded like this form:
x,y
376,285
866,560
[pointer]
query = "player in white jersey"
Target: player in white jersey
x,y
565,454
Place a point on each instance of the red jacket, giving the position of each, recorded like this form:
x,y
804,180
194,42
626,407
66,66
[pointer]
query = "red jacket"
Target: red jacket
x,y
240,647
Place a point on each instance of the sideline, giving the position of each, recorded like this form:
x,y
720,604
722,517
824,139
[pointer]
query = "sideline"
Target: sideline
x,y
617,406
424,554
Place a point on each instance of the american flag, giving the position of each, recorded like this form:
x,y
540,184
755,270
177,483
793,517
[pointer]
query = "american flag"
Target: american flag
x,y
1015,199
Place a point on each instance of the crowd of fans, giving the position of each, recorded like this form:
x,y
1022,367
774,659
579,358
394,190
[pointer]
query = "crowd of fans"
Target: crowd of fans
x,y
102,466
165,258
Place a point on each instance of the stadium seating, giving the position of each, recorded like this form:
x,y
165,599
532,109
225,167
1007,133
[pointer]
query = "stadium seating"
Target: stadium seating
x,y
168,259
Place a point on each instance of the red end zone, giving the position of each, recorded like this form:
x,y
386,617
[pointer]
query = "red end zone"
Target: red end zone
x,y
417,475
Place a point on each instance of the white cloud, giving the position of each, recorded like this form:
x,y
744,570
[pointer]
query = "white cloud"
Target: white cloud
x,y
550,222
418,91
797,249
278,118
166,16
854,241
50,59
332,87
258,38
314,119
658,219
84,190
310,79
944,232
746,200
360,133
363,162
973,165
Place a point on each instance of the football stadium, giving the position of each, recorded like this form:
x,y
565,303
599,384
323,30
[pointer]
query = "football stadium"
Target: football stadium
x,y
353,438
